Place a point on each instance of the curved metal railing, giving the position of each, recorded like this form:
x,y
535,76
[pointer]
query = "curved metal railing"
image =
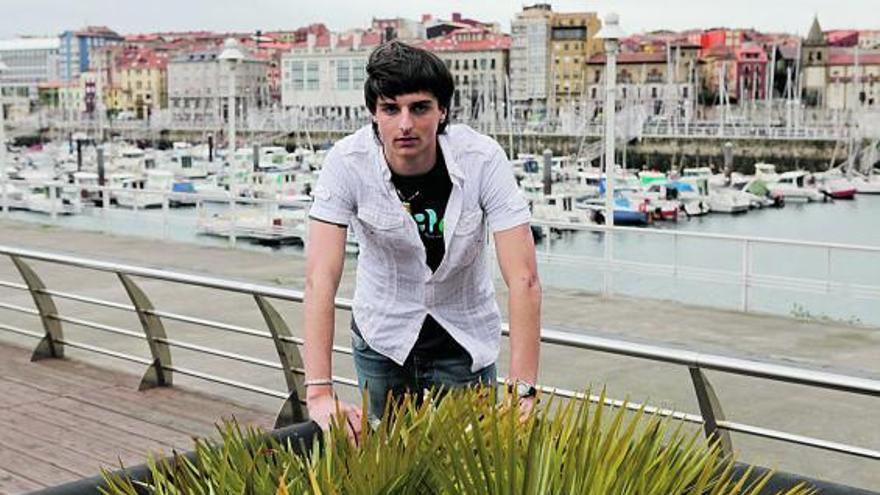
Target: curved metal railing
x,y
160,368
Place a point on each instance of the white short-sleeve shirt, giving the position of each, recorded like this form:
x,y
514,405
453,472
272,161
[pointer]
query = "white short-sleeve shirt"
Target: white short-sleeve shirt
x,y
395,289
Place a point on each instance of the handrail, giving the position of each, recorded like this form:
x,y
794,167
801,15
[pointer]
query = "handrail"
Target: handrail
x,y
696,362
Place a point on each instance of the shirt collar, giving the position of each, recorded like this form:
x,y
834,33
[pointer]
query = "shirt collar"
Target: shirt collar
x,y
456,174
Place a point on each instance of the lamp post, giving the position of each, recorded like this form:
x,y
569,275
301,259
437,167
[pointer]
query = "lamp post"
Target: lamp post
x,y
611,33
3,177
231,55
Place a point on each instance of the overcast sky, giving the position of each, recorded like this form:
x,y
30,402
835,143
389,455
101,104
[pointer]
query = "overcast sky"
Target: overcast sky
x,y
50,17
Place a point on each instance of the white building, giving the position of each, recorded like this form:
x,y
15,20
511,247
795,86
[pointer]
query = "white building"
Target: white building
x,y
530,57
853,79
324,76
478,61
29,61
198,86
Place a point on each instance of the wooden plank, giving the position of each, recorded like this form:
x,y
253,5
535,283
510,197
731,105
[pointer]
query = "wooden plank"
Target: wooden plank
x,y
14,394
76,439
11,483
47,442
40,470
155,429
174,409
103,433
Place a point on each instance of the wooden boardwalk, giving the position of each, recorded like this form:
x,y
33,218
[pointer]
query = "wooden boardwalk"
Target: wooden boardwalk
x,y
61,420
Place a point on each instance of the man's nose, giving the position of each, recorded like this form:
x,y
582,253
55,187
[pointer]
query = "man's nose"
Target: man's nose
x,y
405,122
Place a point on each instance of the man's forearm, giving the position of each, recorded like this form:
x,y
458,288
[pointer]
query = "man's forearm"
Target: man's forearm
x,y
320,321
524,310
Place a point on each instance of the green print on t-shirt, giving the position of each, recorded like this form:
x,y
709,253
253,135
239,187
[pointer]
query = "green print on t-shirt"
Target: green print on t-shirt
x,y
428,224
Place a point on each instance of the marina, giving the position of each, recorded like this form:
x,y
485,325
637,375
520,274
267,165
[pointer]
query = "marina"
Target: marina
x,y
705,205
828,269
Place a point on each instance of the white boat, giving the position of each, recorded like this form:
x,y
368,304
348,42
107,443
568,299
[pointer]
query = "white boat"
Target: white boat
x,y
557,208
86,183
266,226
148,193
757,192
49,198
726,200
795,186
766,172
867,184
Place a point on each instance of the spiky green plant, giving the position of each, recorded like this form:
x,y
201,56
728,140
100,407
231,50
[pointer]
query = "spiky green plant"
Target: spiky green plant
x,y
466,443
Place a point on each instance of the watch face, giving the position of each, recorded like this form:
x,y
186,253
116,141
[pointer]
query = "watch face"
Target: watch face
x,y
525,390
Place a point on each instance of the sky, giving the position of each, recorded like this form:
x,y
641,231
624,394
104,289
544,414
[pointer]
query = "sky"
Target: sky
x,y
50,17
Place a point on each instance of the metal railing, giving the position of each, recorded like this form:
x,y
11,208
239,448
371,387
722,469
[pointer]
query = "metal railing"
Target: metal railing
x,y
160,368
746,278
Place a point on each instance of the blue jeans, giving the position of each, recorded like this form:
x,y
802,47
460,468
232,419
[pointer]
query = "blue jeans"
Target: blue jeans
x,y
421,371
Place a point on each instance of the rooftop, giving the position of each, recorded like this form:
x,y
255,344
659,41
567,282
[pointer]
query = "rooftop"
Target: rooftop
x,y
30,44
468,40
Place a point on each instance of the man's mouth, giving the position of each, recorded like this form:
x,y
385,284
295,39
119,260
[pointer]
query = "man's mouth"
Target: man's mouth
x,y
406,141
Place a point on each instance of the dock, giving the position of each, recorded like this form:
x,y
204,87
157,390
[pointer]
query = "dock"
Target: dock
x,y
64,420
821,345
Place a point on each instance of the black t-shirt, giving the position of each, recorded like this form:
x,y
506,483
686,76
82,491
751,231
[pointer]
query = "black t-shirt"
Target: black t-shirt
x,y
426,196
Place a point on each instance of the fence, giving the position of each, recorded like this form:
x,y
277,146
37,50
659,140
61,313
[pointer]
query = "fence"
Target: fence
x,y
160,368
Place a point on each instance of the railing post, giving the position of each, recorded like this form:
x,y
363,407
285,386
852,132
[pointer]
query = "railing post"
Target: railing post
x,y
710,410
746,263
158,374
50,345
292,411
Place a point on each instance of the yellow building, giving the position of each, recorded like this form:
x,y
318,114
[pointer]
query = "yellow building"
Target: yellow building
x,y
140,83
572,43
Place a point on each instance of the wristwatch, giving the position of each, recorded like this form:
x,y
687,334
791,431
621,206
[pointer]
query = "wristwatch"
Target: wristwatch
x,y
523,389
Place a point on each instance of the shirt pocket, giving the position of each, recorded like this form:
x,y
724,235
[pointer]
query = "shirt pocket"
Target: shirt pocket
x,y
378,222
468,238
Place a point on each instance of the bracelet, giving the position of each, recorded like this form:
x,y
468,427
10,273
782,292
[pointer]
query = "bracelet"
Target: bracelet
x,y
318,382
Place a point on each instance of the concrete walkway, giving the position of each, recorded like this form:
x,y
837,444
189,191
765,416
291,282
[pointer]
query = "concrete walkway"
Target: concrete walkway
x,y
830,346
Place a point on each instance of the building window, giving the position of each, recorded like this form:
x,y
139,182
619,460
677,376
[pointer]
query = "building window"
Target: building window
x,y
359,73
465,65
483,64
492,63
343,74
297,74
312,75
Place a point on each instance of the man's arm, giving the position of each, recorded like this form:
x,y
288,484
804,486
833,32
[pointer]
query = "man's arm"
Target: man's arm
x,y
325,258
516,257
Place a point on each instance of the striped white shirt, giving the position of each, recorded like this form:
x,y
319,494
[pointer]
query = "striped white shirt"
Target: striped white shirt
x,y
395,289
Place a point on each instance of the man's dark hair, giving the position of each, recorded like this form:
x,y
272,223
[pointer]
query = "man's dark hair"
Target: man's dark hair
x,y
395,69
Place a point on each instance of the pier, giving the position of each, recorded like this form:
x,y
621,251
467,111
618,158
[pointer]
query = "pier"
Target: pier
x,y
63,419
832,415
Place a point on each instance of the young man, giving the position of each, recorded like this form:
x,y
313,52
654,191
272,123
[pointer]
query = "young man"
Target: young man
x,y
420,196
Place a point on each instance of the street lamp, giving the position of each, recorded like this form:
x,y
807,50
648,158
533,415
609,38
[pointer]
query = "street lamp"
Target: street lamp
x,y
611,33
231,55
3,177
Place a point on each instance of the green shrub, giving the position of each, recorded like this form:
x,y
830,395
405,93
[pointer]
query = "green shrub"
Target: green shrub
x,y
465,444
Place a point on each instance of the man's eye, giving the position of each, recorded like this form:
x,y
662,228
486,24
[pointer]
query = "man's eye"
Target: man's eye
x,y
390,110
420,108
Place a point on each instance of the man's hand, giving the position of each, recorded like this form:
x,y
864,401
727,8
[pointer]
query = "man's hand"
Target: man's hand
x,y
526,404
324,406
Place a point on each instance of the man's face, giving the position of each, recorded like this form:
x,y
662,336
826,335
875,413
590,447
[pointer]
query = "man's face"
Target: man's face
x,y
408,124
